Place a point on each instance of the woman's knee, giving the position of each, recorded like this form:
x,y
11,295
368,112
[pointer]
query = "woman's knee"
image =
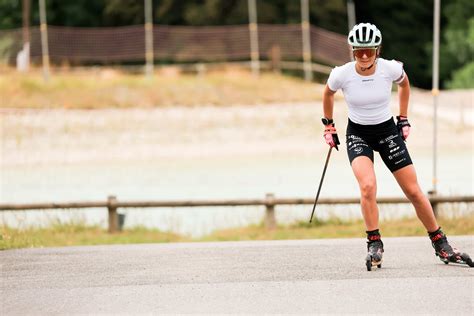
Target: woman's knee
x,y
414,194
368,189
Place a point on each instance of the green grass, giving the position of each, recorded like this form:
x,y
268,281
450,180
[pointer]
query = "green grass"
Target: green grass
x,y
108,88
75,234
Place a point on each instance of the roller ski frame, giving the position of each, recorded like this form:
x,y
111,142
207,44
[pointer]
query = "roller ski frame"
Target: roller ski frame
x,y
446,253
374,255
458,258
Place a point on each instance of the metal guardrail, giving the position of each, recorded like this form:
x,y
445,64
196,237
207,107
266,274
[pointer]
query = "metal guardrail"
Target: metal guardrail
x,y
270,201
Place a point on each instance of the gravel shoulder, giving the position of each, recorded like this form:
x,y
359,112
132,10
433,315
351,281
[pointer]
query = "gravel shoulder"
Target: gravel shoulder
x,y
59,136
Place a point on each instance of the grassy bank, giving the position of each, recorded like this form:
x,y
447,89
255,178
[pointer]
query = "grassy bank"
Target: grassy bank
x,y
76,234
105,88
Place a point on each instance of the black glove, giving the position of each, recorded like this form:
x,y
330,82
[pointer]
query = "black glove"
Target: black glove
x,y
403,127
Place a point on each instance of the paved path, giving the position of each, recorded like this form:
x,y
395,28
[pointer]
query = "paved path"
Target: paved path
x,y
304,276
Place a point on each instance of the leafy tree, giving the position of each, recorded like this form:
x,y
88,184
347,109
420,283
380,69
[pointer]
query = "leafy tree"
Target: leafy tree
x,y
456,57
83,13
201,12
10,14
330,15
123,12
407,27
463,78
327,14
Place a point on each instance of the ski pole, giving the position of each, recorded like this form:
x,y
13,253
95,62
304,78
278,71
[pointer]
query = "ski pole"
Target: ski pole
x,y
321,183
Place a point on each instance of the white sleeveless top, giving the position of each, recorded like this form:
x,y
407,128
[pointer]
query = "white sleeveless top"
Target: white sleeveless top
x,y
368,97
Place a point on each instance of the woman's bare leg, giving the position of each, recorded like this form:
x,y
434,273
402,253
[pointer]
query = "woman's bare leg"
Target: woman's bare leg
x,y
406,178
363,169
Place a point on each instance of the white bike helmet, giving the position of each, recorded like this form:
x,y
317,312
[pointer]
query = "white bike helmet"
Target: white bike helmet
x,y
364,35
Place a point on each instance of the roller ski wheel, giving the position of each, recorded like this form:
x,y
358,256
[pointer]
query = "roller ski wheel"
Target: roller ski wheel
x,y
374,255
369,263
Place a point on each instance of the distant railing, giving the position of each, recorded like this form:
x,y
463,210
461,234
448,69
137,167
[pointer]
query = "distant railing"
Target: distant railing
x,y
270,201
78,45
280,47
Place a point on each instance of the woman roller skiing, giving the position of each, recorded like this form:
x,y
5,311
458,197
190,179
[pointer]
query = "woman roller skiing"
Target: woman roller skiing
x,y
366,84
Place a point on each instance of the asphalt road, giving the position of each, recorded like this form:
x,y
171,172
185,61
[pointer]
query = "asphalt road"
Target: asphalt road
x,y
301,276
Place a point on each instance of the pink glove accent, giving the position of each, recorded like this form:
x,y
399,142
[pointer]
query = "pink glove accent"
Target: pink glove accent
x,y
405,131
329,130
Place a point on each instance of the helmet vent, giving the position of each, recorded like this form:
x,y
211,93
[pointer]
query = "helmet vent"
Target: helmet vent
x,y
364,35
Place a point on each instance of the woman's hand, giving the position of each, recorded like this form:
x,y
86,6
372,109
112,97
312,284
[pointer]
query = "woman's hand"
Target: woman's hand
x,y
330,135
403,127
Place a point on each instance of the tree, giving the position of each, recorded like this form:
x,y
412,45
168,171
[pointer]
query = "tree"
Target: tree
x,y
456,57
407,29
407,26
10,14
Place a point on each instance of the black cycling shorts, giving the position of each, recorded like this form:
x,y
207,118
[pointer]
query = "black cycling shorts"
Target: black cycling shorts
x,y
362,140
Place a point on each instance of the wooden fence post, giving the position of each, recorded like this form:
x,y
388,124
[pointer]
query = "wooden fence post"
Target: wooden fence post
x,y
113,216
270,220
275,58
434,205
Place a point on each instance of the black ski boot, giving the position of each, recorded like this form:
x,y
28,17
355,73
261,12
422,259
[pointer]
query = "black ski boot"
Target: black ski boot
x,y
445,252
374,250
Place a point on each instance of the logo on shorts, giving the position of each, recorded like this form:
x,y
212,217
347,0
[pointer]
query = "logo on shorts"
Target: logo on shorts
x,y
391,144
383,141
395,155
395,149
358,150
400,161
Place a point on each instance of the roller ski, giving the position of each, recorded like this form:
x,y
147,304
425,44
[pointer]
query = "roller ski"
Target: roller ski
x,y
445,252
374,250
